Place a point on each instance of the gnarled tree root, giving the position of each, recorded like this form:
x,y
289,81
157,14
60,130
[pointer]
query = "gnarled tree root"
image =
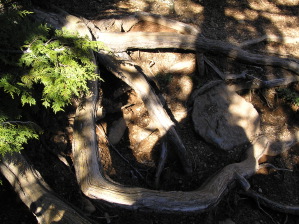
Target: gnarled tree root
x,y
91,178
135,79
94,184
36,194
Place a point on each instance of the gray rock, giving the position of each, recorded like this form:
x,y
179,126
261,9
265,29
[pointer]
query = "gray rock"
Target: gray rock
x,y
224,118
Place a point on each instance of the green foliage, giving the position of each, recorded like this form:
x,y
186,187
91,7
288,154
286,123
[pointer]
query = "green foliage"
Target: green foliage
x,y
289,95
13,134
62,64
57,59
39,66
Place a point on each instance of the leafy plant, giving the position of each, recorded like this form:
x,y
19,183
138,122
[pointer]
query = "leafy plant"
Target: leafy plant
x,y
13,134
40,66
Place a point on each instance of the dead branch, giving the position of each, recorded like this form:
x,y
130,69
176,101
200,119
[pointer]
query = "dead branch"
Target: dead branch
x,y
223,75
200,63
101,130
131,76
215,68
118,42
36,194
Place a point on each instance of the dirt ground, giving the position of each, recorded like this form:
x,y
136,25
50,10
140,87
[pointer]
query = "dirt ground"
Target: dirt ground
x,y
175,75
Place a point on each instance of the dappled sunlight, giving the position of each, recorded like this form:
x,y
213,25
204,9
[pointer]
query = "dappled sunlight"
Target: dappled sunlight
x,y
287,2
243,15
158,67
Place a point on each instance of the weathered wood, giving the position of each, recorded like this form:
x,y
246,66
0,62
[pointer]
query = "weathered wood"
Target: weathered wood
x,y
135,79
200,63
142,40
162,160
36,194
94,184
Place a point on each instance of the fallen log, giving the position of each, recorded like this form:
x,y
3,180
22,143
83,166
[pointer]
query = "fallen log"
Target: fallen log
x,y
36,194
119,42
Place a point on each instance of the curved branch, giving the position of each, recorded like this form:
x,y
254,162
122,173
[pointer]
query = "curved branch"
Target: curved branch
x,y
94,184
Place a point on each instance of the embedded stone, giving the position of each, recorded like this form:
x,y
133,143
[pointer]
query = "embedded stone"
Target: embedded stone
x,y
224,118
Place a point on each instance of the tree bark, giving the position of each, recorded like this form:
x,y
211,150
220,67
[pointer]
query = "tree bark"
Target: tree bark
x,y
36,194
95,185
89,173
135,79
119,42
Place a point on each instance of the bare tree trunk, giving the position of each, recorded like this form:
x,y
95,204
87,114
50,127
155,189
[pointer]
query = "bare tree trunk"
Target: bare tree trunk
x,y
36,194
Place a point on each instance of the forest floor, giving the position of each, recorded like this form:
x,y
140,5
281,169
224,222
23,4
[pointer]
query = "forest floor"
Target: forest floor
x,y
231,21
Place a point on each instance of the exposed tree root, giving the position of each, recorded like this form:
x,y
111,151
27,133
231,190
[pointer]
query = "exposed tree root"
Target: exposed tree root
x,y
89,174
135,79
36,194
119,42
276,206
94,184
